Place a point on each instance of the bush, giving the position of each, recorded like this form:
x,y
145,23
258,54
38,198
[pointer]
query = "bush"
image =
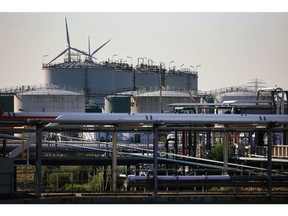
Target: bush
x,y
216,152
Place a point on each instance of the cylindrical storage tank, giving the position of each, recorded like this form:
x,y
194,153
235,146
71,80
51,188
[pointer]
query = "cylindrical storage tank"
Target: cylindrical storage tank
x,y
94,79
117,104
235,95
149,102
103,79
147,80
49,100
68,78
181,80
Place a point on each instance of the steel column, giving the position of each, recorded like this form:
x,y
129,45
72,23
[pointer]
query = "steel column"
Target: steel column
x,y
4,149
183,150
114,161
155,159
269,161
225,152
38,162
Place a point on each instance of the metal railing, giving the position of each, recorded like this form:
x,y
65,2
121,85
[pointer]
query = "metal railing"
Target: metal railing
x,y
96,180
278,151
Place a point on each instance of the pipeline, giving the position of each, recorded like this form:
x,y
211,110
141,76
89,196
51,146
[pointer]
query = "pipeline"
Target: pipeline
x,y
156,118
180,178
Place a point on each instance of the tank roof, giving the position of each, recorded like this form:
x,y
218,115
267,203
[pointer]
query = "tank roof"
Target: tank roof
x,y
164,94
48,91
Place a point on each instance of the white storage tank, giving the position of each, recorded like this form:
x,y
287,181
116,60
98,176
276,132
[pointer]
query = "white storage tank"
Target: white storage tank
x,y
149,102
235,95
49,100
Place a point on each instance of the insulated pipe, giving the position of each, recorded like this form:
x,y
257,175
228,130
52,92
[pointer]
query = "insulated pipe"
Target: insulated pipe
x,y
229,102
152,118
181,178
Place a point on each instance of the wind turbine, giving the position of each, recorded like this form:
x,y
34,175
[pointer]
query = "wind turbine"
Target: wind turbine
x,y
90,56
69,48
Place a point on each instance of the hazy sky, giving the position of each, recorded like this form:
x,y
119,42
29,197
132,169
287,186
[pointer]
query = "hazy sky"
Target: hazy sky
x,y
232,48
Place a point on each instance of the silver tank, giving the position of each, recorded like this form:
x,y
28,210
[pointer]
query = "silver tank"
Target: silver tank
x,y
49,100
108,78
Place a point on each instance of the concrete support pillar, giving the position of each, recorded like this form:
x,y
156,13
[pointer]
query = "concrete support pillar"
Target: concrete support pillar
x,y
114,161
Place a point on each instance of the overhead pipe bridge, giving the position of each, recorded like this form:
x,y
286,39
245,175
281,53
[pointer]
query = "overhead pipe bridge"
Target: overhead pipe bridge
x,y
152,122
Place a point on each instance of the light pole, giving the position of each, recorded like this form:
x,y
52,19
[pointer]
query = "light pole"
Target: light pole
x,y
170,63
131,60
195,68
43,59
192,68
181,67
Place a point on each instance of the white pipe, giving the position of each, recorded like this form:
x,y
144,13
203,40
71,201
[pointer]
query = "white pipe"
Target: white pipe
x,y
154,118
245,102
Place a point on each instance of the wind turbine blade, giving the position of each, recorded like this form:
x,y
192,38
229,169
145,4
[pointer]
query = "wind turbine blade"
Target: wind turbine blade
x,y
99,48
59,55
67,33
77,50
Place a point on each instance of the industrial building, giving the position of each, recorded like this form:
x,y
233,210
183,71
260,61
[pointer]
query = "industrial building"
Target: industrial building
x,y
99,79
141,129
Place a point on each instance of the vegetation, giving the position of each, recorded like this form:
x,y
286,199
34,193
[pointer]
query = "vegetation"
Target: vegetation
x,y
66,178
216,152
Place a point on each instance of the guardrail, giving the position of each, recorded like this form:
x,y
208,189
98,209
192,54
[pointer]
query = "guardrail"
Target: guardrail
x,y
278,151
